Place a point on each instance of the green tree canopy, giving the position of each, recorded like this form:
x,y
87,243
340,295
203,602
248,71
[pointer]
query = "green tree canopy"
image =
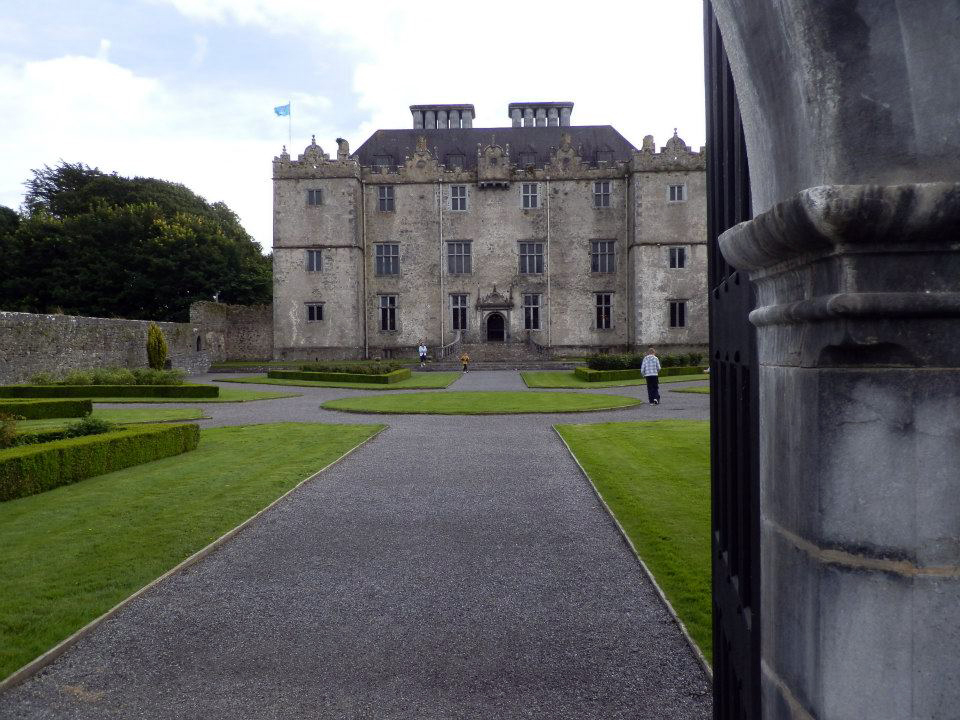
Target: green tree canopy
x,y
91,243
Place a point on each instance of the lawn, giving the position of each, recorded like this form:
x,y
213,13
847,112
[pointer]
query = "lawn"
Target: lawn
x,y
72,553
294,364
567,379
655,476
480,403
416,381
121,415
697,390
226,395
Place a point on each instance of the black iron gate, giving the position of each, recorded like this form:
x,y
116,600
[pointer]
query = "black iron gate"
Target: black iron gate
x,y
733,405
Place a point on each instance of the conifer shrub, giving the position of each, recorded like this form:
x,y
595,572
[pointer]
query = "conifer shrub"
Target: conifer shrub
x,y
156,347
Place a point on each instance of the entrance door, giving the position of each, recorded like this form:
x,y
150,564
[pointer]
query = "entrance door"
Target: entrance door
x,y
495,327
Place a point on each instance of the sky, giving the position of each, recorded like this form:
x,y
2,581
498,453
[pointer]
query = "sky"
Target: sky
x,y
184,90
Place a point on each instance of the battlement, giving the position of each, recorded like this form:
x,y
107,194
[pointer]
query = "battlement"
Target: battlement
x,y
674,155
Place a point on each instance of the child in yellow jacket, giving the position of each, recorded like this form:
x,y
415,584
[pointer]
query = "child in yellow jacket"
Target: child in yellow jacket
x,y
465,359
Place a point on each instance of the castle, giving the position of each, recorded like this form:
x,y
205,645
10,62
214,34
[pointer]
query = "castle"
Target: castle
x,y
542,236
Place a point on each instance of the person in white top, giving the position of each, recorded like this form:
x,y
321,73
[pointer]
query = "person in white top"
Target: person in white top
x,y
423,353
650,368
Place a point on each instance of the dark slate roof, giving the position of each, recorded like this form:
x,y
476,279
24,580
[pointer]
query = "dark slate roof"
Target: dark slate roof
x,y
587,139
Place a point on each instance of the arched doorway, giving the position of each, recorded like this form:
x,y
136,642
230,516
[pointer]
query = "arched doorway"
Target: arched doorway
x,y
495,327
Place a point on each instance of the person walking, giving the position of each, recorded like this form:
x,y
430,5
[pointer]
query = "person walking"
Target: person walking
x,y
465,360
650,369
423,353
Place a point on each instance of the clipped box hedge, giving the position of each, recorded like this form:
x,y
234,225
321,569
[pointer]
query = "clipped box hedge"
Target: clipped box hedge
x,y
382,379
585,373
43,409
94,391
31,469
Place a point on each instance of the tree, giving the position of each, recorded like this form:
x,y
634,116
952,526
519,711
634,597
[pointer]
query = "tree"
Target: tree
x,y
99,244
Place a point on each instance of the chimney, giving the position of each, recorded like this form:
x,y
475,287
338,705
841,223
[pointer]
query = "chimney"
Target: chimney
x,y
540,114
442,117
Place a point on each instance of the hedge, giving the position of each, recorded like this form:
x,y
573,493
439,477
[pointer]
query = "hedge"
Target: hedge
x,y
43,409
604,375
31,469
93,391
383,379
355,368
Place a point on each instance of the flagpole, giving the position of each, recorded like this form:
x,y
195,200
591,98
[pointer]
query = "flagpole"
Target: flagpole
x,y
289,124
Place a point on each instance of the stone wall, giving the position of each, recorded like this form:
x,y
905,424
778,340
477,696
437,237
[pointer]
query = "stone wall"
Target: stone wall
x,y
30,343
234,332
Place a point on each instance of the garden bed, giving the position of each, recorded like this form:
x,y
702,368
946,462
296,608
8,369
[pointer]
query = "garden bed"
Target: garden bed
x,y
109,391
45,409
35,468
379,379
589,375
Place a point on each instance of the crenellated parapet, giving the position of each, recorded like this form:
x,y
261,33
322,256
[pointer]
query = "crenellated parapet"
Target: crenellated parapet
x,y
313,162
673,156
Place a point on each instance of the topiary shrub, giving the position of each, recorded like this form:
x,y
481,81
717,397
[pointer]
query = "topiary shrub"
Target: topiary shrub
x,y
8,429
156,347
88,426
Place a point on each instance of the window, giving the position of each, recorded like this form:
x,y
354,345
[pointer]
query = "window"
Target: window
x,y
603,311
388,313
458,197
531,312
678,257
456,161
601,193
678,193
314,312
386,198
381,162
531,258
529,195
604,156
527,159
314,261
458,258
601,256
458,308
678,313
388,259
314,197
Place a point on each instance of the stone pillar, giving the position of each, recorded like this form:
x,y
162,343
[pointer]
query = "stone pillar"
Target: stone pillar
x,y
528,120
429,119
467,118
541,117
516,117
553,117
417,119
565,117
858,333
442,119
453,118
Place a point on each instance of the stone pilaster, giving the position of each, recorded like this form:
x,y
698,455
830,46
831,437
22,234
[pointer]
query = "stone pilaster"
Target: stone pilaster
x,y
858,318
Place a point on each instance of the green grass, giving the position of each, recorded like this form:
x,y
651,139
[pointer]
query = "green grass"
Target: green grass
x,y
226,395
697,390
72,553
121,415
416,381
567,379
297,363
479,403
655,476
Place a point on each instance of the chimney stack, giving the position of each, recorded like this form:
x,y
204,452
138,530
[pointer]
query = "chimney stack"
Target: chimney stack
x,y
442,117
540,114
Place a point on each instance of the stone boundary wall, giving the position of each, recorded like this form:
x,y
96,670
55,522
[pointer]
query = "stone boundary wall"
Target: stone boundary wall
x,y
235,332
31,343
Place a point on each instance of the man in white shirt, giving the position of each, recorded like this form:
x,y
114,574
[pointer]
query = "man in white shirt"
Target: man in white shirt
x,y
650,368
423,353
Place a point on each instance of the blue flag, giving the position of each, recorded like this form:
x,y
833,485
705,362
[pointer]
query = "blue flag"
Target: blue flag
x,y
282,110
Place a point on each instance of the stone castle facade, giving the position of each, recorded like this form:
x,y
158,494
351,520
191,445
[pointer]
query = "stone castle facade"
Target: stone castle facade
x,y
541,235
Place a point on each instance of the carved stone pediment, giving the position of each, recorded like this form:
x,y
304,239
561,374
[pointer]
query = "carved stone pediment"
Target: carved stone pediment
x,y
495,301
493,166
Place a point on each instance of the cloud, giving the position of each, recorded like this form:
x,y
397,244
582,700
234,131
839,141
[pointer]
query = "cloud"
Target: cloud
x,y
87,109
104,52
200,47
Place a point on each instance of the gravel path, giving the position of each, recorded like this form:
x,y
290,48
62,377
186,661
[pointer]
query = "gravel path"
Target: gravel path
x,y
452,568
